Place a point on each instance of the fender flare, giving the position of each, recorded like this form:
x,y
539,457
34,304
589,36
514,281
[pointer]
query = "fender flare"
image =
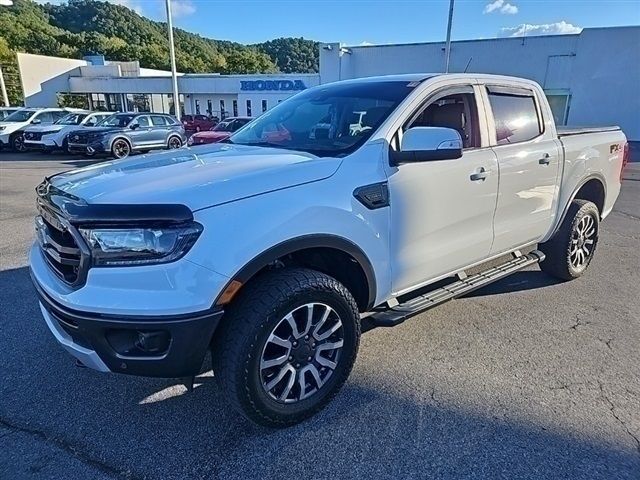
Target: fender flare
x,y
302,243
565,209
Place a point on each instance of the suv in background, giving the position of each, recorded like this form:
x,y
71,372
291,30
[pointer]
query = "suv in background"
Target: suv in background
x,y
48,138
197,123
220,132
123,133
12,127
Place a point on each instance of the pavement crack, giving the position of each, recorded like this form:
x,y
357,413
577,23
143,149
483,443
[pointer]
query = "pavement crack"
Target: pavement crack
x,y
70,448
578,323
628,215
612,409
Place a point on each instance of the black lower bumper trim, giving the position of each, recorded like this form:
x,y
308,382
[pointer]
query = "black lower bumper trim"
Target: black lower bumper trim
x,y
189,338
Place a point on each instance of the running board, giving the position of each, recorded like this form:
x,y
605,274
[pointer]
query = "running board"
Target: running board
x,y
399,313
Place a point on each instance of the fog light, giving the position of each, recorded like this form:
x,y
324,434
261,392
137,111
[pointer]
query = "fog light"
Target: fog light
x,y
153,342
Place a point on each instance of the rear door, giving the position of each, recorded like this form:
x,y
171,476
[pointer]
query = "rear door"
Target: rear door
x,y
529,161
160,129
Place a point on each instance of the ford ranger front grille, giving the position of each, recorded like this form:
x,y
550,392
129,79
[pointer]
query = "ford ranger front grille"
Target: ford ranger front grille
x,y
62,246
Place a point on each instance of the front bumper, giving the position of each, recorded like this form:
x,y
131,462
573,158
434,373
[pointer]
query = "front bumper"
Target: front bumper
x,y
110,343
42,145
93,148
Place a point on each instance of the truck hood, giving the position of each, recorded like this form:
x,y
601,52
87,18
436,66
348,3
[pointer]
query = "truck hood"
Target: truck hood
x,y
47,128
198,178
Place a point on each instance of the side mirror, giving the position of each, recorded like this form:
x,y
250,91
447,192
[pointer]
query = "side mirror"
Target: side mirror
x,y
133,126
36,121
422,144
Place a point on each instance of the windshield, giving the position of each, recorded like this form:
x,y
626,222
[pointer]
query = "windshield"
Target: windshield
x,y
223,127
116,121
20,116
71,119
331,120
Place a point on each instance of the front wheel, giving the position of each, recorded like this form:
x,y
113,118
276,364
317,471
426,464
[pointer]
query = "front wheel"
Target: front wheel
x,y
286,346
570,251
18,143
120,149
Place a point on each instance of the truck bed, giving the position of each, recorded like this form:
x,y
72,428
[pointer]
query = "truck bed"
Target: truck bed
x,y
566,131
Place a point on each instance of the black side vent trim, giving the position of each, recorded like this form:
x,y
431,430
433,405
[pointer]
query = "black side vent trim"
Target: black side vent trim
x,y
373,196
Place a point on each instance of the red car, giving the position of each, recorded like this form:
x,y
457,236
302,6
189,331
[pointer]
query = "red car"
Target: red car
x,y
220,132
197,123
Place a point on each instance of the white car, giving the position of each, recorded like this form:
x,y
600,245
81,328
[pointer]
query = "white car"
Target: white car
x,y
48,138
275,249
12,127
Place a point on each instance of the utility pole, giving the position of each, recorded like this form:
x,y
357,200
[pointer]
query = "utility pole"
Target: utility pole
x,y
448,47
172,54
3,88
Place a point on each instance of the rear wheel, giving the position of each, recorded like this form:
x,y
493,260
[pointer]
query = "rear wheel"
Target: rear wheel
x,y
174,142
286,346
120,148
570,251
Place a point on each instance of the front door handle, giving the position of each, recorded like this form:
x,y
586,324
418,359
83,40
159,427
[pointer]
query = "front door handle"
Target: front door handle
x,y
545,160
481,174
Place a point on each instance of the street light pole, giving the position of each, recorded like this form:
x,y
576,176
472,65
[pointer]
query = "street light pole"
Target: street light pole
x,y
3,88
172,54
448,47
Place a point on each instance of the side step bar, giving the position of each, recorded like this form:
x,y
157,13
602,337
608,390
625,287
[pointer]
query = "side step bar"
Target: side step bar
x,y
399,313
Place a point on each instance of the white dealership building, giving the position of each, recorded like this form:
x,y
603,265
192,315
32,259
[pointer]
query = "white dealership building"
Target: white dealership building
x,y
591,78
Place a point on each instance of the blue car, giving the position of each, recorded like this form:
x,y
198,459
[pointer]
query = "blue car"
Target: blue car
x,y
123,133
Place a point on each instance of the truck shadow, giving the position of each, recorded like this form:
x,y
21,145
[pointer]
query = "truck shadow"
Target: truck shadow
x,y
517,282
150,428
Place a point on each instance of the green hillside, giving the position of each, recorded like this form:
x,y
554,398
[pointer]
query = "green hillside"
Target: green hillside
x,y
81,27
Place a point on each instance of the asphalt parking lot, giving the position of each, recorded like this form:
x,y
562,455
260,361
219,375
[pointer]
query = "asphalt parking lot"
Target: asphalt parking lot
x,y
528,378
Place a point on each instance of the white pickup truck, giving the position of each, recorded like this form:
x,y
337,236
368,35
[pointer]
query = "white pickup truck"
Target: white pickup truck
x,y
351,205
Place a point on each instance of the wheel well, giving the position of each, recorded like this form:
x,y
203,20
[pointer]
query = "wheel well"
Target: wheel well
x,y
174,135
592,191
337,263
120,138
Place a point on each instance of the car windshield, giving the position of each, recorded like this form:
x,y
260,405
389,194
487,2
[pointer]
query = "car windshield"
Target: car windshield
x,y
116,121
72,119
223,127
20,116
331,120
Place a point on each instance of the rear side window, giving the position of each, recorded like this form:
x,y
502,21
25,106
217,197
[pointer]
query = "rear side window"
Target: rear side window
x,y
515,114
158,121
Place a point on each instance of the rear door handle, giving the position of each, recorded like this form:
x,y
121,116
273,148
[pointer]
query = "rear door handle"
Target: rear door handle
x,y
545,160
481,174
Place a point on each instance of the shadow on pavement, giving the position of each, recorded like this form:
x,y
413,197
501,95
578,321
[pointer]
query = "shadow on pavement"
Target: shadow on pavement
x,y
150,428
516,282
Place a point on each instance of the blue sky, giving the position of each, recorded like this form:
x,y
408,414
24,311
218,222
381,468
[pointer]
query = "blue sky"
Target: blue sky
x,y
355,22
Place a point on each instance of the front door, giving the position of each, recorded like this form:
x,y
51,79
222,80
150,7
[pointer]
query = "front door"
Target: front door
x,y
142,136
442,210
529,160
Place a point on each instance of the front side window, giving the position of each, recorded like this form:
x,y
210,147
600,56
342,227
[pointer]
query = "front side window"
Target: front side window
x,y
515,114
143,121
331,120
72,119
20,116
452,109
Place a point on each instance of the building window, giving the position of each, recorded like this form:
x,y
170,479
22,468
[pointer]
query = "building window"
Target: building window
x,y
248,108
235,108
559,107
264,106
197,107
223,113
209,107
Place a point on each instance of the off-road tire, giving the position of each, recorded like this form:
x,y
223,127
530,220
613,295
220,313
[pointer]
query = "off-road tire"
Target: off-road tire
x,y
240,339
558,262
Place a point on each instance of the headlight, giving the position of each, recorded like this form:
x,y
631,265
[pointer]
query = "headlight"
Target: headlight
x,y
190,141
140,246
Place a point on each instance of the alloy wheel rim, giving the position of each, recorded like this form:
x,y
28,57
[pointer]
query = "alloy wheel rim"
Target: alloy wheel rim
x,y
18,143
583,241
174,143
121,149
301,353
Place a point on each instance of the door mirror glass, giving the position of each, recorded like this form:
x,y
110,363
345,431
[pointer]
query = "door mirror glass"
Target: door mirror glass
x,y
134,125
421,144
36,121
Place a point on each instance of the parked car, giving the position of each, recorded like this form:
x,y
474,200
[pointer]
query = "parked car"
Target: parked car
x,y
276,256
6,111
220,132
123,133
12,127
197,123
47,138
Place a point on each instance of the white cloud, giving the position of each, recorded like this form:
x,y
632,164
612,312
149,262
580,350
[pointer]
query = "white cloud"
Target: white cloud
x,y
6,3
182,8
500,6
526,29
133,5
